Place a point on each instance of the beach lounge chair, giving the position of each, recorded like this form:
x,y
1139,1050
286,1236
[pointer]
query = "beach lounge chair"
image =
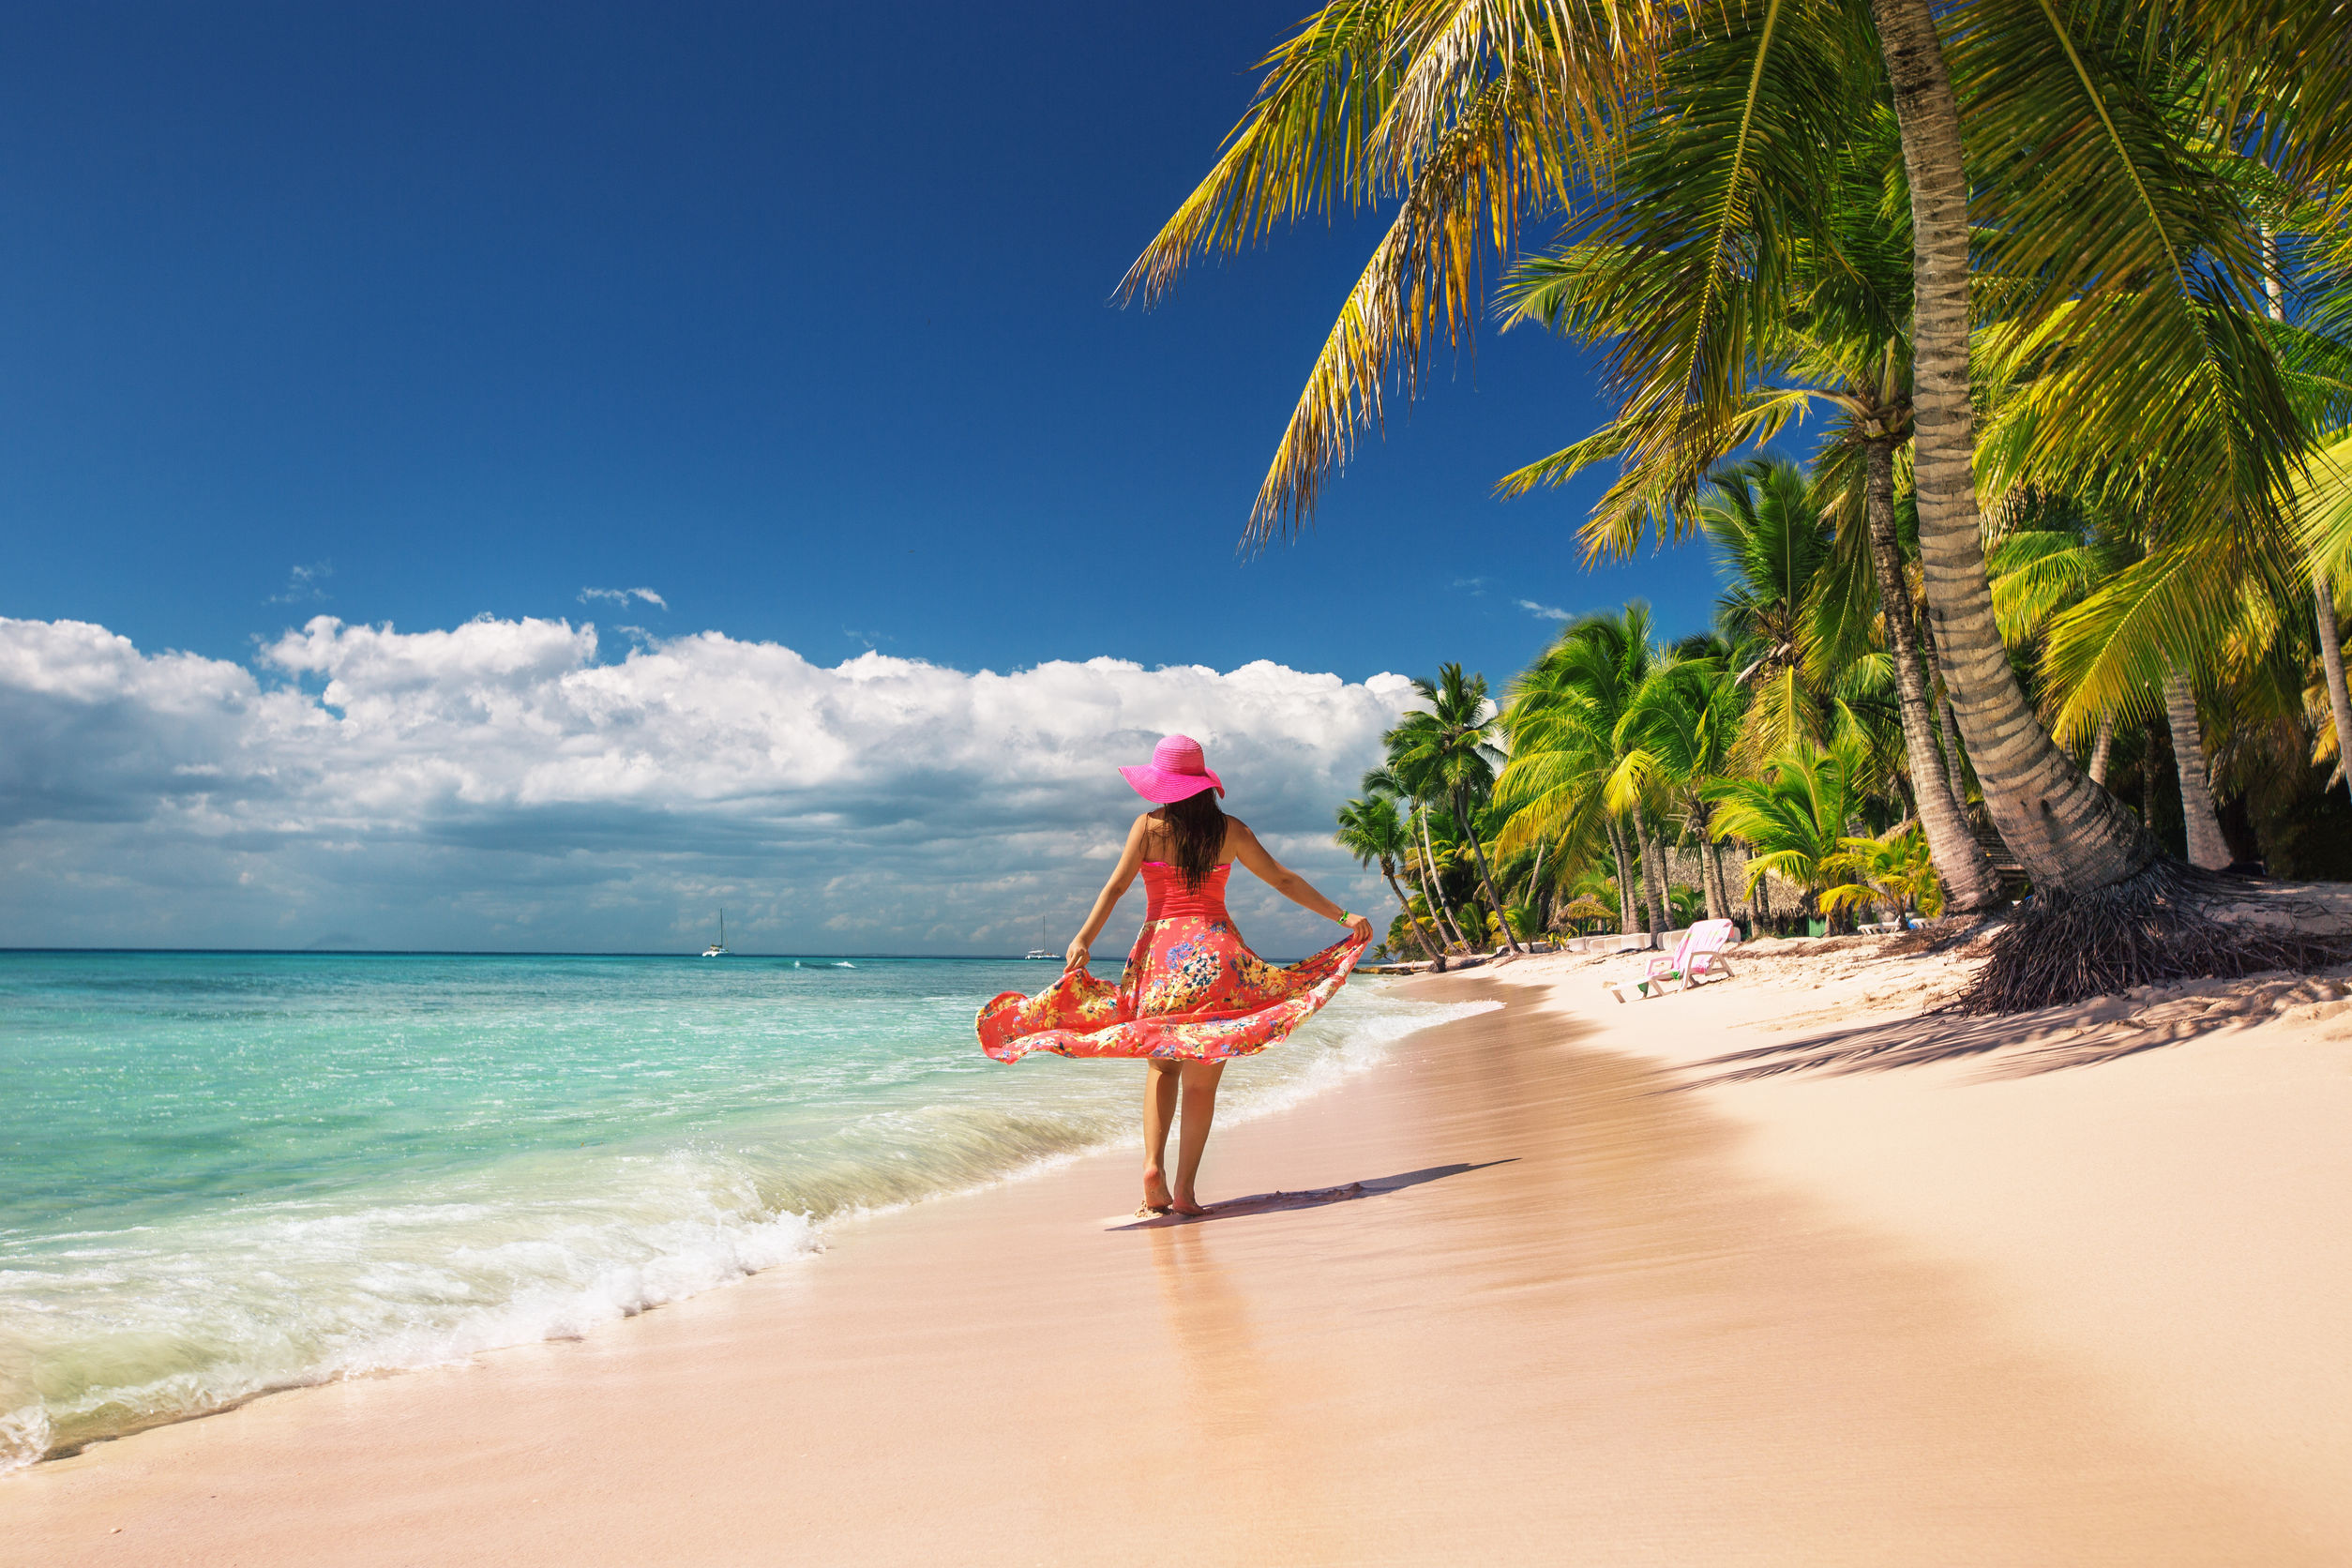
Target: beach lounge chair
x,y
1697,958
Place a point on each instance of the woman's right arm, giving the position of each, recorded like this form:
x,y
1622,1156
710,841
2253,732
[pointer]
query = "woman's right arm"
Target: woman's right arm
x,y
1121,878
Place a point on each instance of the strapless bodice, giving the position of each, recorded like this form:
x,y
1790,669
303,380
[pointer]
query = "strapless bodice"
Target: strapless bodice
x,y
1167,896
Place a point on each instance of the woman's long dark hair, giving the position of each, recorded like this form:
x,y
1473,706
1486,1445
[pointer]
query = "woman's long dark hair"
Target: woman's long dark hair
x,y
1197,823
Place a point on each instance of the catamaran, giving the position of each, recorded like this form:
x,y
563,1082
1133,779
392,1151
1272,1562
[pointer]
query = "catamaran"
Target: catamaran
x,y
719,948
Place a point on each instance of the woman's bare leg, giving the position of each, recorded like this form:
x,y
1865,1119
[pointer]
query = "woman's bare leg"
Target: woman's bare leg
x,y
1160,1079
1200,1108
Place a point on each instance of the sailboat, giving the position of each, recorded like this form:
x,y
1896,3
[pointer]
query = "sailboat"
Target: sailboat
x,y
1041,950
719,948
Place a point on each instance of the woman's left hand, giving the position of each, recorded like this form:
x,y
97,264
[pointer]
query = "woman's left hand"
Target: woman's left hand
x,y
1361,925
1075,960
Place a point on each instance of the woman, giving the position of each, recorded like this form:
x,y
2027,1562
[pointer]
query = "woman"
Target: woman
x,y
1194,995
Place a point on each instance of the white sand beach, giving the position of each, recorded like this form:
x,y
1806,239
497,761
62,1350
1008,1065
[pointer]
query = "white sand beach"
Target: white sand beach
x,y
1544,1288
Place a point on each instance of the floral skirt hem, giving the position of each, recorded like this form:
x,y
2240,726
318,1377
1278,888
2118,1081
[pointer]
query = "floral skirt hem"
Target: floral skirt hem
x,y
1192,992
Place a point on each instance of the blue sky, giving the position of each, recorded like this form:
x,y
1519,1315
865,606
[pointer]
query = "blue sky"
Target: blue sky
x,y
798,320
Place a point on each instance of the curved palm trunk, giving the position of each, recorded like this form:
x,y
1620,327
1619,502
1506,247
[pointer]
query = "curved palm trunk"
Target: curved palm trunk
x,y
1960,860
1430,887
2071,836
2331,661
1624,878
2207,847
2101,750
1956,765
1654,890
1710,873
2323,595
1485,878
1388,870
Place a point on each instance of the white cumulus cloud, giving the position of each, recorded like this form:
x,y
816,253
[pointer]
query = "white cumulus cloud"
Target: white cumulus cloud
x,y
498,784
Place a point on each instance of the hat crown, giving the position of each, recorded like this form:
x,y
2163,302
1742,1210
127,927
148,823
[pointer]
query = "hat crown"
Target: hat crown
x,y
1179,754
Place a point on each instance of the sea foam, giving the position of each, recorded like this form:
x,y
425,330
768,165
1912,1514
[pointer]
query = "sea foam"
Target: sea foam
x,y
238,1175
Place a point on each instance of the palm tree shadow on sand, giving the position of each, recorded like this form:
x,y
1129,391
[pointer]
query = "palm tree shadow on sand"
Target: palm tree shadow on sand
x,y
1283,1202
2055,1039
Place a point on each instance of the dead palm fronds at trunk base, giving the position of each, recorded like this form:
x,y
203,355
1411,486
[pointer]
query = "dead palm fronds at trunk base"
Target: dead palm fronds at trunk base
x,y
2170,922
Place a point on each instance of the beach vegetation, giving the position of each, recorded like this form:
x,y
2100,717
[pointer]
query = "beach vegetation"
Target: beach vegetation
x,y
2029,260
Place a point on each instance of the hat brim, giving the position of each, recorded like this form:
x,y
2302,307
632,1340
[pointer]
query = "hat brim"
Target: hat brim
x,y
1165,787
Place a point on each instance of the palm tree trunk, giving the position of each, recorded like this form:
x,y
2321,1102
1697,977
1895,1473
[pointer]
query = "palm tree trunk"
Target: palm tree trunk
x,y
1437,901
2322,593
1956,765
1535,898
1485,878
2207,847
2331,660
1710,873
2101,749
1624,878
1421,936
1653,894
2071,836
1960,860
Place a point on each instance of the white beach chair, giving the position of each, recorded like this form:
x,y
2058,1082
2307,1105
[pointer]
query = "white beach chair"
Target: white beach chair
x,y
1697,958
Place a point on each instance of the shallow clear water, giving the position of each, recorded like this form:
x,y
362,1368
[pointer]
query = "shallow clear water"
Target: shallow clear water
x,y
221,1173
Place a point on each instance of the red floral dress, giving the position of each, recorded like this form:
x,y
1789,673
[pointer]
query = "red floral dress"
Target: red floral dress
x,y
1193,988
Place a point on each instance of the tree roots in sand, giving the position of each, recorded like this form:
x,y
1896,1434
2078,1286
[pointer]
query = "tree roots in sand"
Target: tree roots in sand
x,y
2170,922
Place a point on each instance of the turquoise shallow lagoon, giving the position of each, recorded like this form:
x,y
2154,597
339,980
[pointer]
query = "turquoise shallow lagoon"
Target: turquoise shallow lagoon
x,y
221,1173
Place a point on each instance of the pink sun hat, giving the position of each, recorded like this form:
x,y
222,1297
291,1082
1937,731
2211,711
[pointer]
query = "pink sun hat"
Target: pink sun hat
x,y
1177,771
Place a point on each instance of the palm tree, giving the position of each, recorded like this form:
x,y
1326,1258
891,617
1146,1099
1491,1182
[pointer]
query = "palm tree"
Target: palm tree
x,y
1384,783
2090,142
1372,831
1837,334
1678,735
1565,725
1894,870
1800,816
1446,751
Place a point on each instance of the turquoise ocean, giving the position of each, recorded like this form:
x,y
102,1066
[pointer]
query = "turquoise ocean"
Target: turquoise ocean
x,y
226,1173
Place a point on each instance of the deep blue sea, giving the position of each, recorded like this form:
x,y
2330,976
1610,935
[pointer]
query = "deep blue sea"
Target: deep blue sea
x,y
221,1173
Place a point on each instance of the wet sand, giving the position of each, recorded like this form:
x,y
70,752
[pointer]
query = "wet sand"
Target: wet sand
x,y
1506,1300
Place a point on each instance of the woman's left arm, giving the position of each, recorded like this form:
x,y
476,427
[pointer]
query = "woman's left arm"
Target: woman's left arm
x,y
1250,852
1121,878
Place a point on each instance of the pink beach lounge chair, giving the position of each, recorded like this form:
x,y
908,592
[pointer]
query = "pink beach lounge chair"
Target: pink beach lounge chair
x,y
1697,958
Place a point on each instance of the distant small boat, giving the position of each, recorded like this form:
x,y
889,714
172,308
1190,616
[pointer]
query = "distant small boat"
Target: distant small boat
x,y
718,949
1041,950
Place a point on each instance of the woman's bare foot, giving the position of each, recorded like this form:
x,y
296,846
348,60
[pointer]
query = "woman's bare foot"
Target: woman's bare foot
x,y
1186,1206
1155,1197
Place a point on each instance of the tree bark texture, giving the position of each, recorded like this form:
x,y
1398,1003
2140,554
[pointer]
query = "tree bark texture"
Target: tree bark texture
x,y
1388,870
2331,660
2323,595
2207,847
1617,845
1956,765
1654,890
2101,749
1485,878
1711,873
1968,875
2070,835
1438,910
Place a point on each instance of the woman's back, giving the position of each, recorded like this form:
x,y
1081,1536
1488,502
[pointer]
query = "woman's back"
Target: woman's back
x,y
1167,895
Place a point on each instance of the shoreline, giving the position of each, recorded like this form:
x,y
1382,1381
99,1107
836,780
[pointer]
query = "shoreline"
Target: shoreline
x,y
1498,1299
615,1289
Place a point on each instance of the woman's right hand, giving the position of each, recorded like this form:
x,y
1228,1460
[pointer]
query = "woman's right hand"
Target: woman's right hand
x,y
1075,959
